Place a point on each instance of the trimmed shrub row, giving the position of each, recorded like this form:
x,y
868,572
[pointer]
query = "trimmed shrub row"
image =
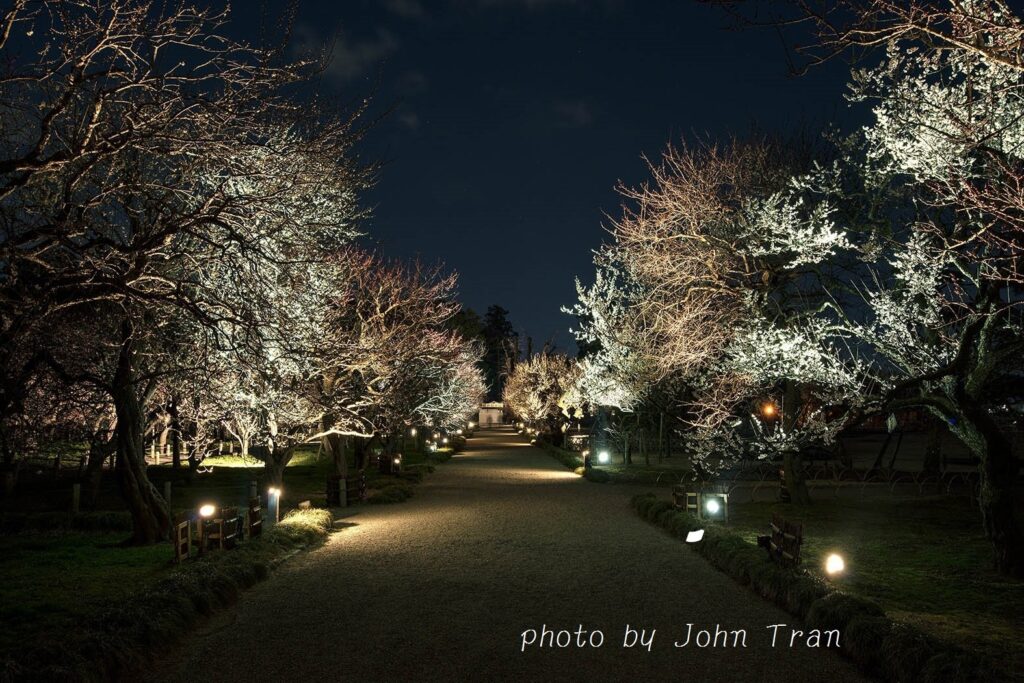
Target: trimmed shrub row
x,y
392,493
569,459
121,640
878,645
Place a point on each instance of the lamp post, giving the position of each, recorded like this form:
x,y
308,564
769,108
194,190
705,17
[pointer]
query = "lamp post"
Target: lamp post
x,y
274,503
206,510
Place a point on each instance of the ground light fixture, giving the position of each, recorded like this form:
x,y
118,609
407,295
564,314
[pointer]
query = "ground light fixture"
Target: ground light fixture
x,y
603,457
714,507
444,440
412,432
471,425
768,410
835,565
207,510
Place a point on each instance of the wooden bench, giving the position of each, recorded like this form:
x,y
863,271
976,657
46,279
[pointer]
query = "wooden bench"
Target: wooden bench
x,y
220,531
784,541
182,540
254,517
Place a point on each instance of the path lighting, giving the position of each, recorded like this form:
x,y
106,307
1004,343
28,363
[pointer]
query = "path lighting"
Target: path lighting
x,y
398,461
459,432
412,432
603,457
207,510
275,502
768,410
694,536
471,425
834,565
715,506
444,440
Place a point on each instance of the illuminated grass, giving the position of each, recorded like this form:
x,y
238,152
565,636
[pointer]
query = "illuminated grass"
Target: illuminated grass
x,y
924,560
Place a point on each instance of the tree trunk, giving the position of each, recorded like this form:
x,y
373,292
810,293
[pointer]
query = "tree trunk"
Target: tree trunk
x,y
792,466
151,521
792,462
933,450
175,436
998,473
334,449
661,437
643,448
277,461
99,451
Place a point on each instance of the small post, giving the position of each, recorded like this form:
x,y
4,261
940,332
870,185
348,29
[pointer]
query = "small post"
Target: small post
x,y
167,492
252,489
343,493
76,497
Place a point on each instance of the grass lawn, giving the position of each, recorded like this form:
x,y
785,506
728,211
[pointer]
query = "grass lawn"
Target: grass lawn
x,y
924,560
50,581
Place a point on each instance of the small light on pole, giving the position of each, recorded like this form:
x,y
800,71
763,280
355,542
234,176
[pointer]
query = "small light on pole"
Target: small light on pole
x,y
768,410
275,503
207,510
412,432
603,457
834,565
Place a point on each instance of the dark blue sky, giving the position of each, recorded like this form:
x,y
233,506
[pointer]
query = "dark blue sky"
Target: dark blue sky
x,y
513,120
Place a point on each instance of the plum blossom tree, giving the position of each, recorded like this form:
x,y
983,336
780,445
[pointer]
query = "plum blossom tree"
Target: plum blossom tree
x,y
155,170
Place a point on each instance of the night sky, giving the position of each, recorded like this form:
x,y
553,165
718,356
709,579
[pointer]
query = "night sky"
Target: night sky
x,y
509,122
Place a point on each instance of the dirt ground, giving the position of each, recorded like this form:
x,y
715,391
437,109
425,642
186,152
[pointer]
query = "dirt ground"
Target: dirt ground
x,y
498,541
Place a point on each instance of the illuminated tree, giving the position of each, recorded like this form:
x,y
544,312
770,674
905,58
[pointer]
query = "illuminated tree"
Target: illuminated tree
x,y
154,170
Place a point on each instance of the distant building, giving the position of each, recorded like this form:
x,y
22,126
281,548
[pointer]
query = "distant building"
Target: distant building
x,y
491,414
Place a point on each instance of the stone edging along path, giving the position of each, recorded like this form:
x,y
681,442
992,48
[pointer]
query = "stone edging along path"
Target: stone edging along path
x,y
878,645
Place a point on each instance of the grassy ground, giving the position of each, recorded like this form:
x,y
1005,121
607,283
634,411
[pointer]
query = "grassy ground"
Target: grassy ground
x,y
51,580
924,560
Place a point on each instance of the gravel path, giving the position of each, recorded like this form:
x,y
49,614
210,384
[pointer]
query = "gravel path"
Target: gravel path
x,y
499,540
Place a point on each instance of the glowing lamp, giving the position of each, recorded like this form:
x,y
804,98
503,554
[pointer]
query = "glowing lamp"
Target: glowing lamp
x,y
471,425
444,440
458,431
603,457
398,461
834,565
412,432
694,536
714,506
768,410
207,510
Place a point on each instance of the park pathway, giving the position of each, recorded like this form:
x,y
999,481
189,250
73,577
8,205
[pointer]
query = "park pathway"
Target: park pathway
x,y
499,540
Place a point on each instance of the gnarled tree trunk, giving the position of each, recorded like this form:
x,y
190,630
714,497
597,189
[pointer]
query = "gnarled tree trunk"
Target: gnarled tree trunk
x,y
151,520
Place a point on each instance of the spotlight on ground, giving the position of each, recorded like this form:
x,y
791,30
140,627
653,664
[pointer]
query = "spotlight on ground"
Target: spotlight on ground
x,y
834,565
715,507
